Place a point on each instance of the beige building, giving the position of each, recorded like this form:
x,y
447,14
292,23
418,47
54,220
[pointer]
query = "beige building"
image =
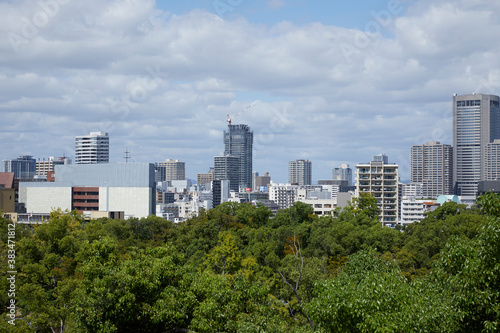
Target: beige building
x,y
380,179
492,161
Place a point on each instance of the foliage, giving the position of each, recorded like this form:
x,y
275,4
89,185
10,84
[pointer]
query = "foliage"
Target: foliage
x,y
236,268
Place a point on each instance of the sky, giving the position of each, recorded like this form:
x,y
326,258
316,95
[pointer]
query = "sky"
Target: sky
x,y
334,82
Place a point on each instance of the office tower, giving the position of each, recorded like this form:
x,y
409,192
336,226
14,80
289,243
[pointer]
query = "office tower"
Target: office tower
x,y
476,123
492,161
238,142
170,170
380,179
299,172
92,148
432,166
344,172
23,167
228,167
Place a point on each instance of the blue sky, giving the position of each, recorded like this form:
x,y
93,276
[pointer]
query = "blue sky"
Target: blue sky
x,y
346,14
333,82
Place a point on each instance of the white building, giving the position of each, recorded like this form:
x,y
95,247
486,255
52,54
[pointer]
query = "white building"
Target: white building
x,y
321,207
127,187
92,148
282,194
380,179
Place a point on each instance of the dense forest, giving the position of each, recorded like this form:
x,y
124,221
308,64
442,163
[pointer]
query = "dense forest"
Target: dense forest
x,y
237,268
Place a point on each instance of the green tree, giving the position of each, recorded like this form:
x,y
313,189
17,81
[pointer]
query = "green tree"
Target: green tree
x,y
371,295
225,257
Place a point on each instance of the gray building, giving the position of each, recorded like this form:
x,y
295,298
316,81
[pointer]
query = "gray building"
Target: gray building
x,y
127,187
92,148
170,170
343,172
300,172
476,123
228,168
432,166
238,142
23,167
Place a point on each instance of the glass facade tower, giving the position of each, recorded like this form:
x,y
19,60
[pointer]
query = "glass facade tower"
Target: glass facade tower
x,y
476,123
238,142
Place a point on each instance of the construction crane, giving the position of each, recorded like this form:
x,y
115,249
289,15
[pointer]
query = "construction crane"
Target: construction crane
x,y
237,114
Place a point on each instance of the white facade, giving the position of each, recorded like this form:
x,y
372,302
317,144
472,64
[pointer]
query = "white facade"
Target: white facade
x,y
380,179
412,210
134,201
45,199
282,194
412,190
321,206
92,148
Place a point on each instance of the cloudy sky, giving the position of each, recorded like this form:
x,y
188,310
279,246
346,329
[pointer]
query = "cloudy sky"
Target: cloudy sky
x,y
333,83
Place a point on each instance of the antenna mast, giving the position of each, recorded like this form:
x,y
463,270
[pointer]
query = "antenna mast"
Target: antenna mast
x,y
127,156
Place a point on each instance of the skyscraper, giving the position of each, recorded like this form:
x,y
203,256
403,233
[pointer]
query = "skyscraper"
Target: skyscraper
x,y
476,123
344,172
228,168
492,161
23,167
431,166
92,148
299,172
238,142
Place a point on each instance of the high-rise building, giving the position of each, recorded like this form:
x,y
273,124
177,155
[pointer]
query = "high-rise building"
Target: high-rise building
x,y
432,166
228,167
204,178
92,148
476,123
299,172
343,172
220,191
238,142
492,161
170,170
44,166
23,167
380,179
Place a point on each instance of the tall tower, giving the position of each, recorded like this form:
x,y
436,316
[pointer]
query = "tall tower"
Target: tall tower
x,y
343,172
238,142
23,167
92,148
299,172
431,165
476,123
228,168
380,178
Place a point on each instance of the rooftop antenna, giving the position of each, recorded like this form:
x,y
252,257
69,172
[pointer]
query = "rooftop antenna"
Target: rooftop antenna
x,y
127,156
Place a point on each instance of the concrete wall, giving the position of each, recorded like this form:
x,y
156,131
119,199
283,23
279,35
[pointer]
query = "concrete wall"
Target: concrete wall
x,y
45,199
134,201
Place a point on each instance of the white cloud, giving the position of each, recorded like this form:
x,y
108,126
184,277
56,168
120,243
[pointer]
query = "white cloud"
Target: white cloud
x,y
163,84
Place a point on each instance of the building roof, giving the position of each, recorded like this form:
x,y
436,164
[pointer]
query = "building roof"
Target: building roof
x,y
7,179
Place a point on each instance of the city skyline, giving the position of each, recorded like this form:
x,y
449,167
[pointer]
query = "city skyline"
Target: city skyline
x,y
331,83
